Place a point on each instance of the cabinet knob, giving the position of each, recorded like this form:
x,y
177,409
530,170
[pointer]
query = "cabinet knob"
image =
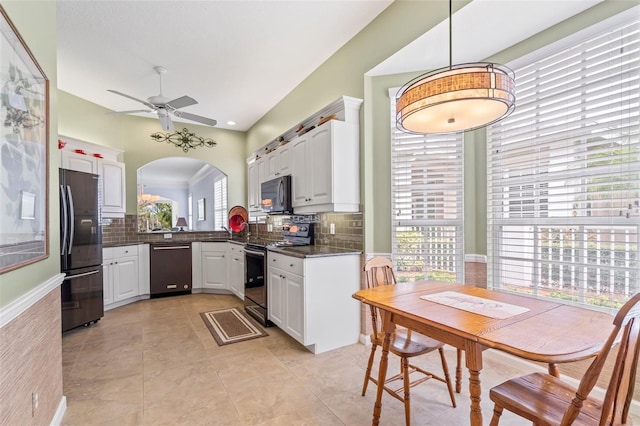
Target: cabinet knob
x,y
291,265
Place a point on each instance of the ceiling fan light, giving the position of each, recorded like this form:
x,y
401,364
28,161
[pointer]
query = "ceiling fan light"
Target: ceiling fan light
x,y
456,98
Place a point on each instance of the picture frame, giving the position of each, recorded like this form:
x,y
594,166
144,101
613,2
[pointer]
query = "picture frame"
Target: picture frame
x,y
24,152
201,205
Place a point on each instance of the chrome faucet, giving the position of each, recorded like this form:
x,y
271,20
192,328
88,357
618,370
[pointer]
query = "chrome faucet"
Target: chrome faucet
x,y
229,231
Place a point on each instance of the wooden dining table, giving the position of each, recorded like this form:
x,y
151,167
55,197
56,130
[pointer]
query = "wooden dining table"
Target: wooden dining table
x,y
548,331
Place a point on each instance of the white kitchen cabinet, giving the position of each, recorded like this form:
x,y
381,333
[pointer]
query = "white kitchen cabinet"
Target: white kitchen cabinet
x,y
107,276
256,175
112,179
235,267
326,169
113,186
214,266
121,274
79,162
285,294
310,299
278,163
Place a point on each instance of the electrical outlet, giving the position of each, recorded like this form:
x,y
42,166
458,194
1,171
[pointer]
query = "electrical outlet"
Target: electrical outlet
x,y
168,236
332,229
34,403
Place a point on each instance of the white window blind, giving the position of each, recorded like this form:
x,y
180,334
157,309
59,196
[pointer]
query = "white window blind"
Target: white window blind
x,y
220,203
426,201
564,173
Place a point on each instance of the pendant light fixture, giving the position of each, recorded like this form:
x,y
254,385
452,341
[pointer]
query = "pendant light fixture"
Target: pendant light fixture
x,y
456,98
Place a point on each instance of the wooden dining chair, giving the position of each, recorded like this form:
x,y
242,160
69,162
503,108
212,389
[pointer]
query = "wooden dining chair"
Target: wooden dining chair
x,y
404,343
546,400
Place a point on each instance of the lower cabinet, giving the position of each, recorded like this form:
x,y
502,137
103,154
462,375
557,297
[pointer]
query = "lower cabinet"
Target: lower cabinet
x,y
235,268
214,266
310,299
121,274
286,302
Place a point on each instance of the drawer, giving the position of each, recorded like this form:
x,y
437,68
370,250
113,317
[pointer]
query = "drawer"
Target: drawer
x,y
125,251
214,247
237,249
291,264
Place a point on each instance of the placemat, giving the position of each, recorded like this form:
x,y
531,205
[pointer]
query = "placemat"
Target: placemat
x,y
477,305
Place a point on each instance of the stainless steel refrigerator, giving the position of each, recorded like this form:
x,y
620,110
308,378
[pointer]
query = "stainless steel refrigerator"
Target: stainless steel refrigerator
x,y
80,249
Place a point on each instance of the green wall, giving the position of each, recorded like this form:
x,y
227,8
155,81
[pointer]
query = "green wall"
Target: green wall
x,y
84,120
36,23
344,74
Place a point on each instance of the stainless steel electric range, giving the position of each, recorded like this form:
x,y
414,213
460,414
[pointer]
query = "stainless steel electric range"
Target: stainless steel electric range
x,y
255,284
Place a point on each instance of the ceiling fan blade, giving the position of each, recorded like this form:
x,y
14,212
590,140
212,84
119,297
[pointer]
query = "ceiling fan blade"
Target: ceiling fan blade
x,y
181,102
197,118
128,112
165,120
132,98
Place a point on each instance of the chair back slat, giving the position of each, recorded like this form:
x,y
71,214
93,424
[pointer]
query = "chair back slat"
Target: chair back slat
x,y
620,389
378,272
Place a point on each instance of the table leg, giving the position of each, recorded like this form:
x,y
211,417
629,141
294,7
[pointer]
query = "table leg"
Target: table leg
x,y
458,370
473,356
553,369
382,372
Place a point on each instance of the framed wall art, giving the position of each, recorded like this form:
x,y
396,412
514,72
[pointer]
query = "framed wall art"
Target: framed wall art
x,y
24,140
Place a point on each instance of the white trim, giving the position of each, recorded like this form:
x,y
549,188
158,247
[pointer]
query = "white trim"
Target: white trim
x,y
475,258
15,308
369,256
62,407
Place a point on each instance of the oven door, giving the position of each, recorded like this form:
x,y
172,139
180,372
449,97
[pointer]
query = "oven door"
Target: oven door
x,y
255,288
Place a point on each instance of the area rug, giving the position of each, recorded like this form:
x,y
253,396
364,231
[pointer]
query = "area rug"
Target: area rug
x,y
231,326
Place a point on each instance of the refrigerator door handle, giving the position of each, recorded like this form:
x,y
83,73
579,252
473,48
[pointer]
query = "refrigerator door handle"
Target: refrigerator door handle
x,y
72,218
63,219
70,277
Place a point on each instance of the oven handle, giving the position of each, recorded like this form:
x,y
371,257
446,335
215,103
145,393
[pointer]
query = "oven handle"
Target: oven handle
x,y
254,253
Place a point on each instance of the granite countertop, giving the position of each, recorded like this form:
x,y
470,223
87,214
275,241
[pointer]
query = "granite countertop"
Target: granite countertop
x,y
313,251
295,251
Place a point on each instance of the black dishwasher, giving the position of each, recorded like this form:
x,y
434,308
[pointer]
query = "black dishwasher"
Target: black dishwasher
x,y
170,269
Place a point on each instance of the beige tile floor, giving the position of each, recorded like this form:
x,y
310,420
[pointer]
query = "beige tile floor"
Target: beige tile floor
x,y
154,362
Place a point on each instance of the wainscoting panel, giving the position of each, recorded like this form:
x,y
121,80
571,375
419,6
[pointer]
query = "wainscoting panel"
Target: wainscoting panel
x,y
31,363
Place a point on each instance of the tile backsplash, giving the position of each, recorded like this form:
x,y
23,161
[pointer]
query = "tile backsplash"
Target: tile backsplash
x,y
348,231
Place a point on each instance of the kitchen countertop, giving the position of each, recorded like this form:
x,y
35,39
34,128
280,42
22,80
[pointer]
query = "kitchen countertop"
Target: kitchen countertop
x,y
313,251
295,251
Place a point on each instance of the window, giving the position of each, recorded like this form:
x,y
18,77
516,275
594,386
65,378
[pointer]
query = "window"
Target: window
x,y
426,200
564,172
220,203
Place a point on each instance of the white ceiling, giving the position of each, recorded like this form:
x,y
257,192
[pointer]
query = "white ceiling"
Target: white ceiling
x,y
236,58
240,58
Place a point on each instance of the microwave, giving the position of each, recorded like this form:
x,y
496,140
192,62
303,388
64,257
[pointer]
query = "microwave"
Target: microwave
x,y
275,195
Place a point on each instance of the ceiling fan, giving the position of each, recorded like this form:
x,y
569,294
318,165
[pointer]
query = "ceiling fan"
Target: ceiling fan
x,y
164,107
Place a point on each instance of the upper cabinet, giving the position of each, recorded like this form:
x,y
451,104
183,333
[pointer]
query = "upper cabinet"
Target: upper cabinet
x,y
256,175
102,161
324,162
326,169
278,163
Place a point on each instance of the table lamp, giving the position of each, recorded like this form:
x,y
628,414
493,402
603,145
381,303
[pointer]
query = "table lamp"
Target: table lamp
x,y
182,222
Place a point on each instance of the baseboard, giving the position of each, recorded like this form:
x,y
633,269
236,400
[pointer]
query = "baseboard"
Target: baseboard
x,y
364,339
15,308
475,258
62,407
